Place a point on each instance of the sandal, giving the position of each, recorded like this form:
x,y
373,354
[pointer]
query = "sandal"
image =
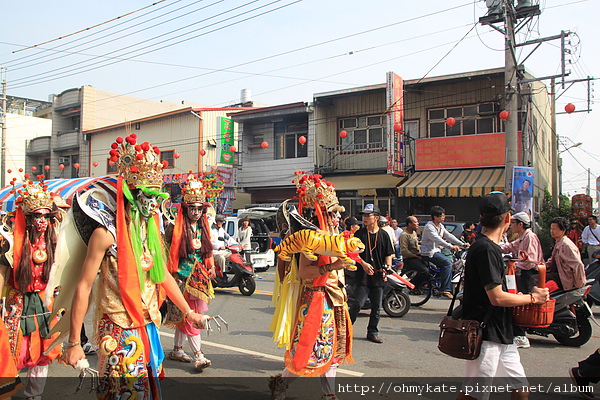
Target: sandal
x,y
179,355
201,362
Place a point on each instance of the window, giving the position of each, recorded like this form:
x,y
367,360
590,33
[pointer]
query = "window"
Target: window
x,y
287,135
137,126
364,133
169,157
470,120
111,169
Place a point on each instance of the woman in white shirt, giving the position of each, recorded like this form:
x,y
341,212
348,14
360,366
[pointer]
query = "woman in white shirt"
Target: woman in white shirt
x,y
244,234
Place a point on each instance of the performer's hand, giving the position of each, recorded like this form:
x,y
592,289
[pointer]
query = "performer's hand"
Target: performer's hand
x,y
198,320
72,354
212,274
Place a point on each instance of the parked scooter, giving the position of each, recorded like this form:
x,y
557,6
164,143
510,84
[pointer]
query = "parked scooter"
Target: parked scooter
x,y
592,271
571,325
396,302
238,272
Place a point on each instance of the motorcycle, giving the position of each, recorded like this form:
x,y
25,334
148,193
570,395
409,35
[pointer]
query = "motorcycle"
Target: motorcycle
x,y
241,271
432,286
396,302
571,324
592,271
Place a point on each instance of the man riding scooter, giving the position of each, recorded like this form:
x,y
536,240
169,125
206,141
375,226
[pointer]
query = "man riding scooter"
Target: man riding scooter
x,y
220,240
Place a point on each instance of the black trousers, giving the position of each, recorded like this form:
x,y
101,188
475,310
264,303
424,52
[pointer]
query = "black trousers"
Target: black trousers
x,y
590,367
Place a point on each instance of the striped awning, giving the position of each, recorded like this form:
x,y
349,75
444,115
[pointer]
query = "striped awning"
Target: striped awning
x,y
453,183
66,188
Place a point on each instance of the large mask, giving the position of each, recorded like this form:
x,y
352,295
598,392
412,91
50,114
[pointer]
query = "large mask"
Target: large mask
x,y
40,219
147,204
194,212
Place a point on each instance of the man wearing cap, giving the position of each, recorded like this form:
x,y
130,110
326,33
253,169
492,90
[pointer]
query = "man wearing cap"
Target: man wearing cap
x,y
434,237
369,279
529,243
486,299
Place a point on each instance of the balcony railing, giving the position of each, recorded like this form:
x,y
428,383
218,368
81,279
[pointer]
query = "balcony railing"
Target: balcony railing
x,y
39,145
357,157
67,140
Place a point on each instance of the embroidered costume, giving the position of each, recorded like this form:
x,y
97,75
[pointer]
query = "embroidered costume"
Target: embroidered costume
x,y
191,263
315,325
27,258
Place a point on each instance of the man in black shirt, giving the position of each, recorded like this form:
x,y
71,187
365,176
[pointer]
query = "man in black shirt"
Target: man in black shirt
x,y
369,279
485,287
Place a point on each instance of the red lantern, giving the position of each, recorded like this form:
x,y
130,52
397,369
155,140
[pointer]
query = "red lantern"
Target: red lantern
x,y
111,162
504,115
202,152
450,121
34,169
95,163
302,139
264,144
61,166
232,149
165,163
47,167
343,134
176,155
9,171
20,169
397,127
76,165
569,108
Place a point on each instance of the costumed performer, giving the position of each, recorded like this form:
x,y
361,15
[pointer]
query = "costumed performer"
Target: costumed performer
x,y
191,263
124,243
321,331
25,265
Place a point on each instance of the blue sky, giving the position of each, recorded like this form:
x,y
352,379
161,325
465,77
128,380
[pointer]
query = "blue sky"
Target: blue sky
x,y
294,49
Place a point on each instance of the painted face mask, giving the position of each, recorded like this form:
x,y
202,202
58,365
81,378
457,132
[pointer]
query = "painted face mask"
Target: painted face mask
x,y
194,212
40,221
335,218
147,204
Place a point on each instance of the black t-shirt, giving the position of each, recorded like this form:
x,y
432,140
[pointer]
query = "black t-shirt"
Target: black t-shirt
x,y
378,246
484,266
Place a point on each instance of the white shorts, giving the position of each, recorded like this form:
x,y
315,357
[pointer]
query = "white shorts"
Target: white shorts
x,y
498,369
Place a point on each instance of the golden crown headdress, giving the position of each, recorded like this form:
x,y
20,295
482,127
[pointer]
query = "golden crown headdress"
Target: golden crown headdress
x,y
312,190
193,190
32,195
139,164
206,187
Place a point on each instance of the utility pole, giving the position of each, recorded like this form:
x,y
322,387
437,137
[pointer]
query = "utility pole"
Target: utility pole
x,y
556,172
3,122
511,92
588,186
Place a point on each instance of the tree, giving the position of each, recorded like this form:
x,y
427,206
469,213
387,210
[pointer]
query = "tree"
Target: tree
x,y
548,212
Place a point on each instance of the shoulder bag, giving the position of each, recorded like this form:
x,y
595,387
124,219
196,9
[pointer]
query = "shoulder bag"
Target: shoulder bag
x,y
461,338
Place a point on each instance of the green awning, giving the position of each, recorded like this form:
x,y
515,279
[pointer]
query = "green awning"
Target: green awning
x,y
453,183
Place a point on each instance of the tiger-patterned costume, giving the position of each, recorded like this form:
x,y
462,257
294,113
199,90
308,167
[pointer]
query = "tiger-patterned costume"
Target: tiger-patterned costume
x,y
311,242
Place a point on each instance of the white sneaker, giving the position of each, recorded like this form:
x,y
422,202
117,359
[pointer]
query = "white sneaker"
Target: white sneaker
x,y
521,342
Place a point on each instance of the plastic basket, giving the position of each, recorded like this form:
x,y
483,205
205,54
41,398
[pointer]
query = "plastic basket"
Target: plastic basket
x,y
535,315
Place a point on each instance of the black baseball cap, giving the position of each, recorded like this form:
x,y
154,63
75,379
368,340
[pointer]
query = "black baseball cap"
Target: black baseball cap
x,y
351,221
494,203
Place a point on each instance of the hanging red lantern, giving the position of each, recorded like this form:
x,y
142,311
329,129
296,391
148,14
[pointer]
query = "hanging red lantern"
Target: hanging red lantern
x,y
9,171
232,149
450,121
76,165
34,169
47,167
165,163
20,169
61,166
504,115
264,144
343,134
302,139
569,108
95,163
397,127
110,162
202,152
176,155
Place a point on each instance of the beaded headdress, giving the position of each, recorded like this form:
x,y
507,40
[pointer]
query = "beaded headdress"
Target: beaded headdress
x,y
193,191
139,164
32,195
313,190
206,187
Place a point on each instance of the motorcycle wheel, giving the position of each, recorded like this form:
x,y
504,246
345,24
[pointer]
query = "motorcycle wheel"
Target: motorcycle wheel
x,y
585,333
395,308
247,285
419,295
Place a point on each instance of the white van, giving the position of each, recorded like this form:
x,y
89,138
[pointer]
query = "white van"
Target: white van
x,y
262,255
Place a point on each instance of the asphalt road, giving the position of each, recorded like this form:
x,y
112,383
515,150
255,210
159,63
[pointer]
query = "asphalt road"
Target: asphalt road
x,y
246,353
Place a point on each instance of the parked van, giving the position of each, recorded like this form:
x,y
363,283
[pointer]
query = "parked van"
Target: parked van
x,y
262,255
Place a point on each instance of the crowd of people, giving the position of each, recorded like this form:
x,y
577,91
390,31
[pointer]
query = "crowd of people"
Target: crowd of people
x,y
51,260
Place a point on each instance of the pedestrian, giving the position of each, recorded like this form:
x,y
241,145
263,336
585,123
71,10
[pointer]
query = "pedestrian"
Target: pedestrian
x,y
316,341
468,234
564,266
486,299
411,253
591,236
384,225
193,267
125,250
529,244
575,235
586,373
397,233
376,257
435,236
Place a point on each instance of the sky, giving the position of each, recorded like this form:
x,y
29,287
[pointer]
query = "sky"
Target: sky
x,y
284,51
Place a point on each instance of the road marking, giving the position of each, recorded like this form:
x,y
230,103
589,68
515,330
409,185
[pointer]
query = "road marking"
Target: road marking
x,y
256,353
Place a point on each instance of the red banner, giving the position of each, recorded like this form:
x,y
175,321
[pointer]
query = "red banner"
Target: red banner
x,y
395,128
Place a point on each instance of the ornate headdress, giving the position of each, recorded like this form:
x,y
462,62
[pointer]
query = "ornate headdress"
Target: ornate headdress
x,y
193,190
206,187
313,190
139,164
32,195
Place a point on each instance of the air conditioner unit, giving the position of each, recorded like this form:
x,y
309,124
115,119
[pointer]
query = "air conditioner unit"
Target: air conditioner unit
x,y
64,160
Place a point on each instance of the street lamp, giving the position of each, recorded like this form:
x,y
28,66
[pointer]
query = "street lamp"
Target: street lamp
x,y
570,147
